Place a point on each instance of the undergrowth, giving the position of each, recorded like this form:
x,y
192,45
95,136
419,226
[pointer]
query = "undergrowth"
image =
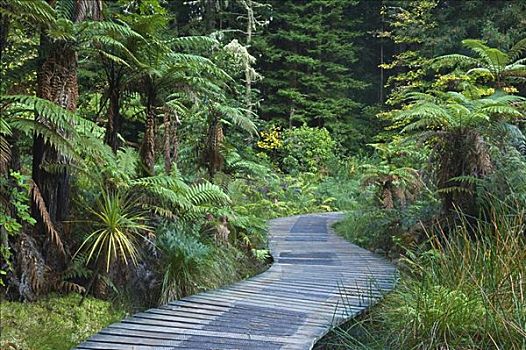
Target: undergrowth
x,y
461,290
56,322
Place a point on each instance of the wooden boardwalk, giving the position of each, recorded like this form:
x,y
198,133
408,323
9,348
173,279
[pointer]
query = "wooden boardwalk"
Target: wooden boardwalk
x,y
318,280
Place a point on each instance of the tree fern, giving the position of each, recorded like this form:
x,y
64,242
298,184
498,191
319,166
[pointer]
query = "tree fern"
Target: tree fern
x,y
236,116
500,66
34,11
193,42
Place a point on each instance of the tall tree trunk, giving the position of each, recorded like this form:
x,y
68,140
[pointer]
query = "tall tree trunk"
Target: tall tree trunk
x,y
248,78
167,141
210,15
175,139
4,31
214,143
171,143
148,144
57,82
114,119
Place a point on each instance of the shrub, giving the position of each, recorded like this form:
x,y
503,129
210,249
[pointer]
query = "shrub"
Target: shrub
x,y
117,228
307,149
185,261
189,264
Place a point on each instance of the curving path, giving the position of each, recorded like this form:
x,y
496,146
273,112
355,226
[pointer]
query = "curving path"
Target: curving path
x,y
318,280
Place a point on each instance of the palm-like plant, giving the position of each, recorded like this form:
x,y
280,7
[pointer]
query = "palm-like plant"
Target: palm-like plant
x,y
454,125
220,113
117,227
501,67
169,81
18,115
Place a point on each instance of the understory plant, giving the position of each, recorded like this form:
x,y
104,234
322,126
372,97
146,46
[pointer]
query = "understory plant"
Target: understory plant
x,y
191,262
460,290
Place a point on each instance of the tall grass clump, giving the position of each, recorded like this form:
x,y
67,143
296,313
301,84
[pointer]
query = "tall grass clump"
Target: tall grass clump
x,y
464,289
467,291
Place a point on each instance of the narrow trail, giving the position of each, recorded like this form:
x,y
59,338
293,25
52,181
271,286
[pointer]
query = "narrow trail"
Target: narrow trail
x,y
318,280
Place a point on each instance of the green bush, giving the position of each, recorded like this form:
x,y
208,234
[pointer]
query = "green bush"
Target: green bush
x,y
190,263
185,261
307,149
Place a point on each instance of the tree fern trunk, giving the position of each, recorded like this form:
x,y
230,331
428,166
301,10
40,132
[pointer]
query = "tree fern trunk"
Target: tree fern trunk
x,y
114,119
167,141
148,145
171,142
215,140
57,82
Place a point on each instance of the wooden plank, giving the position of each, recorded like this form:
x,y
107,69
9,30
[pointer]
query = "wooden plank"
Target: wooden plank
x,y
289,306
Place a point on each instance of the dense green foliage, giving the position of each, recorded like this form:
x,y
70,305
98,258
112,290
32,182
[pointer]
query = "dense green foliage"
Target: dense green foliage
x,y
144,143
55,322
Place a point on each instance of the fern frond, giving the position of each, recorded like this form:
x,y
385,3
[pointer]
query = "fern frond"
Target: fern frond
x,y
5,154
493,57
34,12
455,189
517,50
471,180
499,109
204,193
162,181
478,70
452,60
69,287
193,42
42,108
238,117
49,134
65,9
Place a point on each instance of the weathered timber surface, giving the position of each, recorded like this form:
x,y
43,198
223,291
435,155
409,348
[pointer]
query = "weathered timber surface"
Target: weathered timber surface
x,y
318,280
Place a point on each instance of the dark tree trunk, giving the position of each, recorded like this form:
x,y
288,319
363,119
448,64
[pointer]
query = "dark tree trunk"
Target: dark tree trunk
x,y
167,142
4,30
214,143
57,82
171,142
148,144
14,159
211,15
175,140
114,119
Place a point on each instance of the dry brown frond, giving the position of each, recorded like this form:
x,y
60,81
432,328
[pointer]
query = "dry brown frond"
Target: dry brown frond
x,y
68,287
46,218
387,198
400,194
5,154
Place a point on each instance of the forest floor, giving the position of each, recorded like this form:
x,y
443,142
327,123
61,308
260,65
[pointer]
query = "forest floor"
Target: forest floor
x,y
56,322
